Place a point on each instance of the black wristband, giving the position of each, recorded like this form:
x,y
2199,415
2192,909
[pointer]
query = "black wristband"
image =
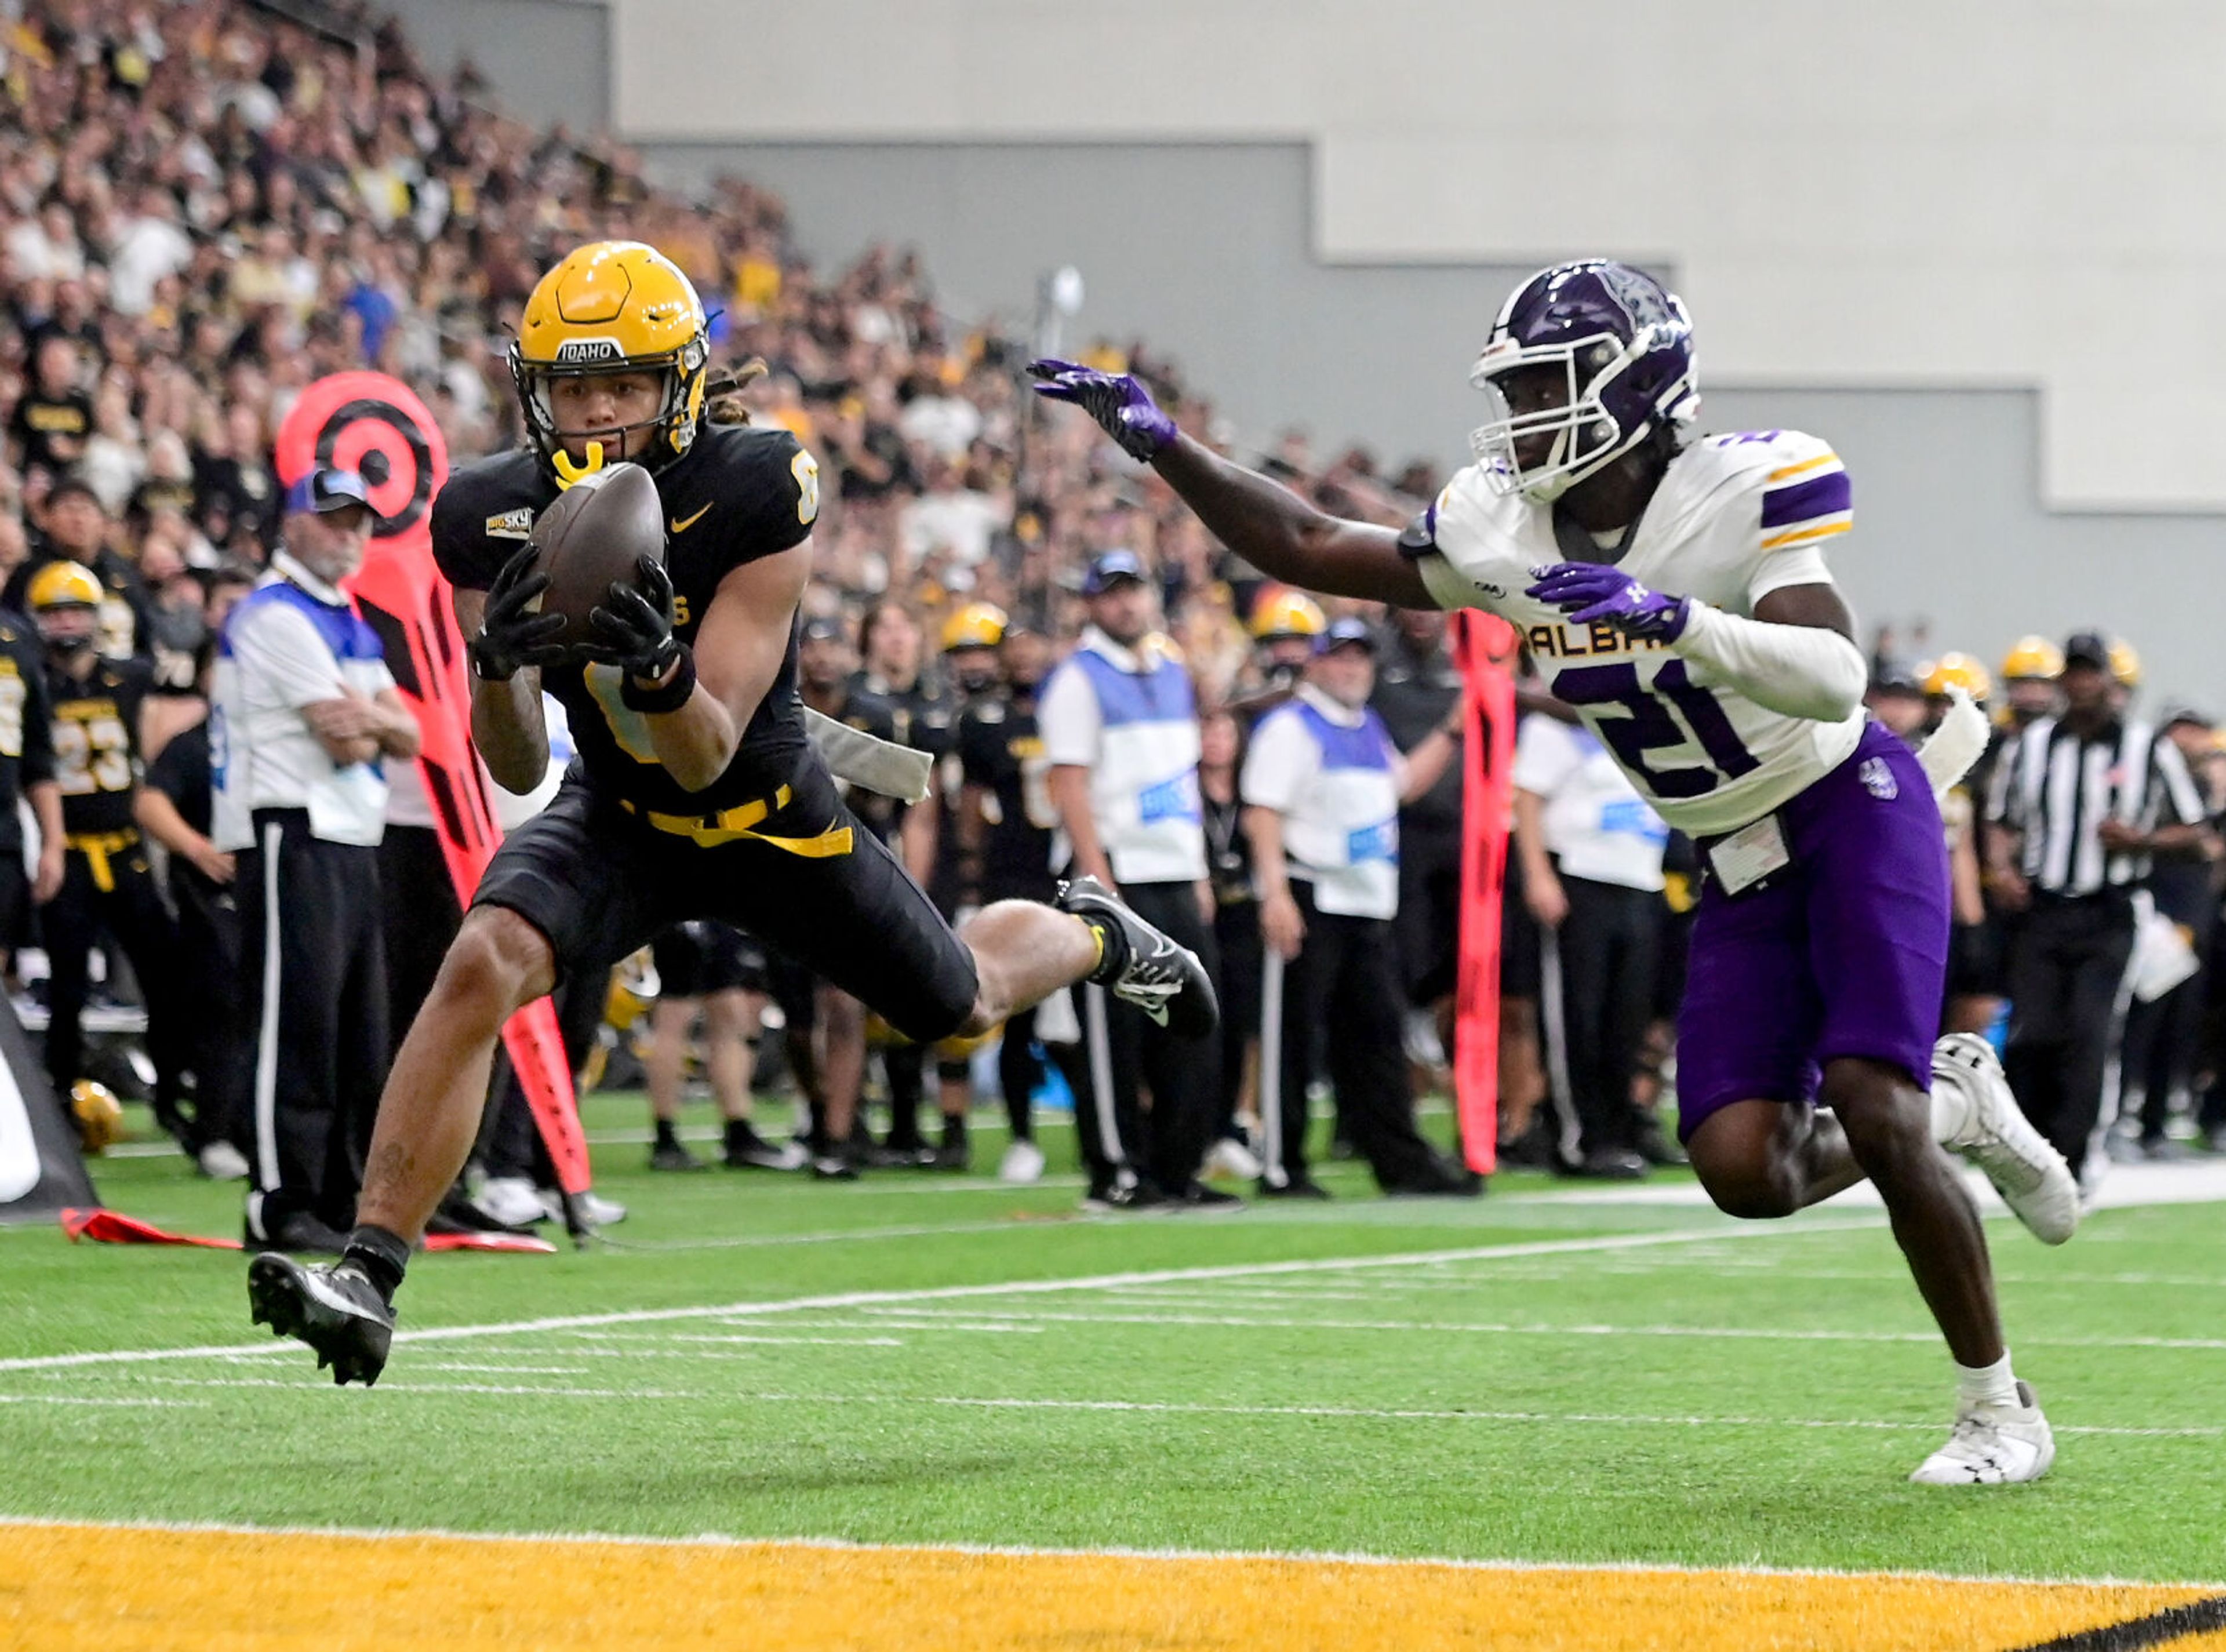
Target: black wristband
x,y
653,700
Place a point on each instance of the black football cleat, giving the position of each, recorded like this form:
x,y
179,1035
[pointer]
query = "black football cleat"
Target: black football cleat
x,y
1164,980
334,1308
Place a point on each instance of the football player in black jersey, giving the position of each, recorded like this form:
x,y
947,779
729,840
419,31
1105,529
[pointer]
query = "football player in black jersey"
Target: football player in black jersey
x,y
696,793
106,881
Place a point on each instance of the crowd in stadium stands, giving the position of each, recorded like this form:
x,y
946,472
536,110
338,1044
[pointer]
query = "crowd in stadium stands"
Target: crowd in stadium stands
x,y
206,205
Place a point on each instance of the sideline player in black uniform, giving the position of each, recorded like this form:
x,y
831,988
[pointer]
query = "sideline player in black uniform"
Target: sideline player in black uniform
x,y
695,793
1006,823
26,771
106,881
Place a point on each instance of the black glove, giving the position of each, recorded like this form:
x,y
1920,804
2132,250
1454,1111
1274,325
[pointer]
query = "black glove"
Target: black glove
x,y
514,634
634,630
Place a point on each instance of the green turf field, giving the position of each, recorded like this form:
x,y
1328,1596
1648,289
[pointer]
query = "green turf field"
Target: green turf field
x,y
937,1359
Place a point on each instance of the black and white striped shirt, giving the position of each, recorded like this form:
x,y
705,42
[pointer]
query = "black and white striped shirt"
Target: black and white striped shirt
x,y
2056,789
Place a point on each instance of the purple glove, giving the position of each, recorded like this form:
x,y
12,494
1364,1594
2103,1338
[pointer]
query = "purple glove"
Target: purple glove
x,y
1117,401
1589,591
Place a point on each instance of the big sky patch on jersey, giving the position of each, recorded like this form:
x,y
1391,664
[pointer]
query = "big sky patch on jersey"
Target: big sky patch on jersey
x,y
1735,517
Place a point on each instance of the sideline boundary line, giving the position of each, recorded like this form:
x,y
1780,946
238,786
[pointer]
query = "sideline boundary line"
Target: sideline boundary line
x,y
1328,1557
1709,1234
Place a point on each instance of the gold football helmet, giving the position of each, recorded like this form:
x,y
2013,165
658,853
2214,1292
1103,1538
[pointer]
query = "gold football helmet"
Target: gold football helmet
x,y
978,625
99,1115
2032,657
1962,671
612,307
1282,612
2125,663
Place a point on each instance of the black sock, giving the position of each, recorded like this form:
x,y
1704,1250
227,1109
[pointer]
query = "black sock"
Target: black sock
x,y
954,1129
740,1135
666,1135
381,1255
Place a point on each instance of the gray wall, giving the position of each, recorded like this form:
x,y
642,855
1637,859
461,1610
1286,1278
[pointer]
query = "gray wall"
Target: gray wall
x,y
1204,249
550,60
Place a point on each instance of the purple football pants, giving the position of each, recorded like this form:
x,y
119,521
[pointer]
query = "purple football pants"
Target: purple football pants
x,y
1844,953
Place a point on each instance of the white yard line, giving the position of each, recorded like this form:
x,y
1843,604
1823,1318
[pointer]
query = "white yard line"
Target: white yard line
x,y
849,1300
1177,1407
1025,1552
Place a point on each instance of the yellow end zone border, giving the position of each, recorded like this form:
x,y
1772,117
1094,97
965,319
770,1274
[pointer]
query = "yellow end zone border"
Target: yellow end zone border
x,y
124,1587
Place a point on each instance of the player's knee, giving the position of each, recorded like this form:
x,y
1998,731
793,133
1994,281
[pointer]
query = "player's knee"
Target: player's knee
x,y
1886,1118
1751,1195
498,962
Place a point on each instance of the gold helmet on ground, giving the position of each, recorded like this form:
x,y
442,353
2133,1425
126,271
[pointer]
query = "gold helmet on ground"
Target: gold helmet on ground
x,y
2032,657
1281,611
978,625
1958,670
612,307
99,1115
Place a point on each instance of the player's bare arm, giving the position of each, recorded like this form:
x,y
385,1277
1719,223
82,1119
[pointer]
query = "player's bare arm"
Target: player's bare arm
x,y
1262,521
507,725
716,689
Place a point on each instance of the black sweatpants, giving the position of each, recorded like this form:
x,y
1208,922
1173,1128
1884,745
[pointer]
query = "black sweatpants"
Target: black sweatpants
x,y
218,1044
313,978
130,908
2067,976
1345,983
1599,973
1121,1048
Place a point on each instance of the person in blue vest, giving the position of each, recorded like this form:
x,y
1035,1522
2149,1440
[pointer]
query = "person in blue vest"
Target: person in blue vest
x,y
1322,788
304,717
1119,721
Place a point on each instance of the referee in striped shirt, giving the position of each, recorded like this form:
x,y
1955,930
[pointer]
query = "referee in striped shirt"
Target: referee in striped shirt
x,y
2083,802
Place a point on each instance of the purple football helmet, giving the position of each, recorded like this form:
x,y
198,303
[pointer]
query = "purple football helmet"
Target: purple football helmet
x,y
1624,346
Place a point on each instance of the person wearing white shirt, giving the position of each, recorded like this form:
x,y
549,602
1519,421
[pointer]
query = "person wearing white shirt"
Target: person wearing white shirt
x,y
305,714
1119,721
1591,849
1322,787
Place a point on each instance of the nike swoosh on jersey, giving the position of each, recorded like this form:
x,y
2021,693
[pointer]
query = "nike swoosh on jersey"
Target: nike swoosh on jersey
x,y
681,524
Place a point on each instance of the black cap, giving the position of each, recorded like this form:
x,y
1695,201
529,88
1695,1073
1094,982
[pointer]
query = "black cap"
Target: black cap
x,y
1897,679
825,630
2087,648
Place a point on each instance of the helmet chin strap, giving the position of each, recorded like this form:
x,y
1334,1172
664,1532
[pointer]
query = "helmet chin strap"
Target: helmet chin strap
x,y
568,473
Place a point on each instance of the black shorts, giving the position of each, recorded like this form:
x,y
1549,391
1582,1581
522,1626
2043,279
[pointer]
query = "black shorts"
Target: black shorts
x,y
1426,930
598,882
703,957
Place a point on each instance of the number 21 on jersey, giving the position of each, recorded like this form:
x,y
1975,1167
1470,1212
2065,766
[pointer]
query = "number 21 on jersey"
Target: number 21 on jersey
x,y
1674,711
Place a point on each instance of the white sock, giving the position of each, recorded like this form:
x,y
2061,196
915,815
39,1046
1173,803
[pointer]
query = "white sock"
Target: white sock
x,y
1986,1385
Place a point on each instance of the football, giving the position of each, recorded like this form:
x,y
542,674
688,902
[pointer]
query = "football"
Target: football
x,y
591,538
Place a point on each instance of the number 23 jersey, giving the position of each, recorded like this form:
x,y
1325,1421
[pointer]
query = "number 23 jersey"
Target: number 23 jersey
x,y
1735,518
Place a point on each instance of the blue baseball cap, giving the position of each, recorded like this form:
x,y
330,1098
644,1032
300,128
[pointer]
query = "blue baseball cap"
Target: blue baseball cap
x,y
1346,633
328,488
1108,569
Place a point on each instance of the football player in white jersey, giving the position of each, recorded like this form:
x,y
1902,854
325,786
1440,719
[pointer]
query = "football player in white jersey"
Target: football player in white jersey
x,y
1673,588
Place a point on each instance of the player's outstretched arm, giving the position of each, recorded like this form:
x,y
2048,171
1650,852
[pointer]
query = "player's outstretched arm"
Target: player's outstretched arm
x,y
1264,523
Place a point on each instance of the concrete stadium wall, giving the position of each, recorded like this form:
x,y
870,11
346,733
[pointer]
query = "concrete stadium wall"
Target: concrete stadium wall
x,y
550,59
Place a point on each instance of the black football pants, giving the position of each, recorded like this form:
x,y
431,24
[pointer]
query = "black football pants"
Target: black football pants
x,y
2066,1007
1122,1049
130,908
1344,995
312,976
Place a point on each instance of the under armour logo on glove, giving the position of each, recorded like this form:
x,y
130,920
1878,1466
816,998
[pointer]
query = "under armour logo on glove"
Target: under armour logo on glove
x,y
1589,592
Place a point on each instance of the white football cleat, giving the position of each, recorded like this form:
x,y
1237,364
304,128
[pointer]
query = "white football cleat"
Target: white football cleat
x,y
1023,1162
514,1201
1993,1446
1994,1135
